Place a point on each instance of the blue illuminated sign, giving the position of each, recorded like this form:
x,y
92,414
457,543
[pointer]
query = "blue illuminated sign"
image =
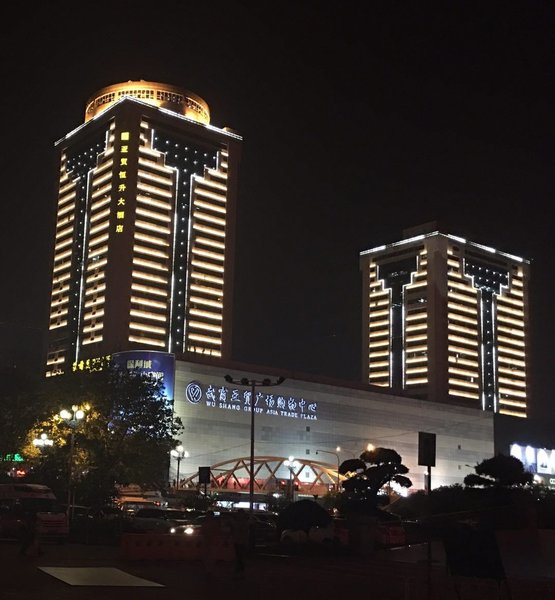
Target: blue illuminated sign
x,y
157,365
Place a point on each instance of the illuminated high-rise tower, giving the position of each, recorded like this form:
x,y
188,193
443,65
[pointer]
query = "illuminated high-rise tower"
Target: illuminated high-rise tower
x,y
144,241
446,319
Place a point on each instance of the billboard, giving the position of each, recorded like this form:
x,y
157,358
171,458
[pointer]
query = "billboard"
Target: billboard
x,y
157,365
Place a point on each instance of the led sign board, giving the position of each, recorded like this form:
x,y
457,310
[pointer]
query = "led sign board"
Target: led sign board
x,y
230,398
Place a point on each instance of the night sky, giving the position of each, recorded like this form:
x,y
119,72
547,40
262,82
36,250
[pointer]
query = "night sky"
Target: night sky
x,y
359,119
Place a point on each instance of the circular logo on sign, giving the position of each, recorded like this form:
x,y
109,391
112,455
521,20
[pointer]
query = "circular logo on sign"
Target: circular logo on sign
x,y
193,392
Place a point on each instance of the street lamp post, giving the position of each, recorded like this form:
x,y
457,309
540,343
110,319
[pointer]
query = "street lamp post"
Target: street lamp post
x,y
336,454
43,441
253,383
179,453
72,418
291,463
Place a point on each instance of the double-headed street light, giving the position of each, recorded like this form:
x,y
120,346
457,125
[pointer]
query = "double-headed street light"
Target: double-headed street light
x,y
336,454
179,453
72,418
253,383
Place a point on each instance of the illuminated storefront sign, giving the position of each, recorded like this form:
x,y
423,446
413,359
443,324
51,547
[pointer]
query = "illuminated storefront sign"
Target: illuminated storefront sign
x,y
226,398
157,365
11,457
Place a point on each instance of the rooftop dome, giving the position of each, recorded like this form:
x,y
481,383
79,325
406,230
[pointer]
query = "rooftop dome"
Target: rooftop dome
x,y
161,95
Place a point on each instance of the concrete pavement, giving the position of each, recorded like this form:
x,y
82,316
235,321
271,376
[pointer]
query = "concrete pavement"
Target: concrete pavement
x,y
398,574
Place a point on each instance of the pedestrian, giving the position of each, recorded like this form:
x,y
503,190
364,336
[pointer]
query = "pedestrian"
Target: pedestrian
x,y
30,538
240,533
211,539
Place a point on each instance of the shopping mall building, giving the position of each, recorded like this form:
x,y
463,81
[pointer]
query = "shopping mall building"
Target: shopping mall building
x,y
299,425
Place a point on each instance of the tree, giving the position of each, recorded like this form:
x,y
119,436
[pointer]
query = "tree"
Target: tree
x,y
22,405
366,476
501,471
125,438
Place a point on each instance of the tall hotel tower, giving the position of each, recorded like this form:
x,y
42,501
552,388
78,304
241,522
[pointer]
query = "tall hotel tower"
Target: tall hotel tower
x,y
445,319
143,255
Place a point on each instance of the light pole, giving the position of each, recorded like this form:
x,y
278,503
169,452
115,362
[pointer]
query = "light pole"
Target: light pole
x,y
72,418
291,463
253,383
179,453
43,441
336,454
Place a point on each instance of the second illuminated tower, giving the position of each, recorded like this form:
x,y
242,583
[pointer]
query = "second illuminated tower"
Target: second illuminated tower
x,y
446,319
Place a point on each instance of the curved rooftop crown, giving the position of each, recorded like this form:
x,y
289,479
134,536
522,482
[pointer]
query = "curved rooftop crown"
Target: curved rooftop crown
x,y
161,95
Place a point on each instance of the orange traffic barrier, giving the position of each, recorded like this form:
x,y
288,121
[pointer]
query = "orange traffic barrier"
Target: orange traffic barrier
x,y
167,546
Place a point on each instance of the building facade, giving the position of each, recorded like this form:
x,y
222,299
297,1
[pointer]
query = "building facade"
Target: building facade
x,y
307,421
302,429
446,320
144,235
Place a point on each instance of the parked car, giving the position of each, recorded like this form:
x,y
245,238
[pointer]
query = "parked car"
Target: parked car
x,y
315,535
100,525
130,507
156,520
265,531
266,517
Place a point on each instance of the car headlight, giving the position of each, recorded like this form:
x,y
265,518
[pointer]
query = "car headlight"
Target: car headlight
x,y
189,530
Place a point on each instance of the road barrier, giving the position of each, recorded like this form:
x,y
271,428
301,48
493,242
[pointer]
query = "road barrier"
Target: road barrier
x,y
167,546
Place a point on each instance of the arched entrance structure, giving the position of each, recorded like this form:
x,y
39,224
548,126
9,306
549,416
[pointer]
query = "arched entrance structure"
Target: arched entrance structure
x,y
272,474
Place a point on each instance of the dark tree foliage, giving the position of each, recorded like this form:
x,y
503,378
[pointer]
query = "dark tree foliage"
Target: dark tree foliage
x,y
23,403
126,436
499,471
367,475
452,499
500,491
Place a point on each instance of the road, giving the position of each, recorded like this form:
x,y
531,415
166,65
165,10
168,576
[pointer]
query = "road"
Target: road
x,y
100,572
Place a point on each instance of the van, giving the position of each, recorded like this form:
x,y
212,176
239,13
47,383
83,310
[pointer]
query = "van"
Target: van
x,y
18,500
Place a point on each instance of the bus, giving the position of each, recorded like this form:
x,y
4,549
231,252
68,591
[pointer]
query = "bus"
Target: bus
x,y
18,500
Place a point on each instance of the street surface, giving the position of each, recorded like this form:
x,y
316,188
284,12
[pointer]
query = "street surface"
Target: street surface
x,y
101,573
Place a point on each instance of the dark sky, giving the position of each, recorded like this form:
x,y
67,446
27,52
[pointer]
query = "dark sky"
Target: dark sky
x,y
359,119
